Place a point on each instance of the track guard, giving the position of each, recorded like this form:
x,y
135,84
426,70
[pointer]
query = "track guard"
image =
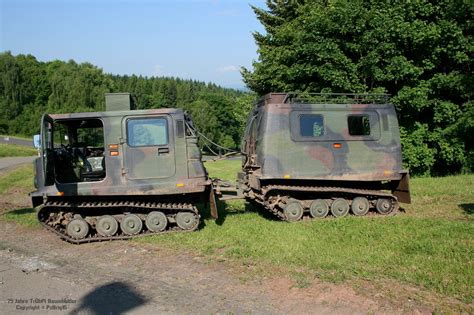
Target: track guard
x,y
402,191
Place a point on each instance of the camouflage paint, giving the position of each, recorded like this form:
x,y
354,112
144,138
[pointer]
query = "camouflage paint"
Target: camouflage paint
x,y
276,151
138,171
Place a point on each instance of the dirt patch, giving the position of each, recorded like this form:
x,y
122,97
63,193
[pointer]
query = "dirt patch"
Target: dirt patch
x,y
342,298
164,280
410,299
185,282
15,198
182,281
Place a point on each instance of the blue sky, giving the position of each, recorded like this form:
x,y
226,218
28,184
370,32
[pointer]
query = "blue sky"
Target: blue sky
x,y
194,39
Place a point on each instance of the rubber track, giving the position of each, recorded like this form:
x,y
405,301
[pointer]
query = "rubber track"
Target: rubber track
x,y
123,205
314,189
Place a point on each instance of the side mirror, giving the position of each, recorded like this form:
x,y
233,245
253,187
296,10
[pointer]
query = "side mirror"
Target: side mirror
x,y
37,141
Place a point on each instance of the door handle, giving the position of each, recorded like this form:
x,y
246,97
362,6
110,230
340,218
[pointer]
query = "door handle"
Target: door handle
x,y
163,151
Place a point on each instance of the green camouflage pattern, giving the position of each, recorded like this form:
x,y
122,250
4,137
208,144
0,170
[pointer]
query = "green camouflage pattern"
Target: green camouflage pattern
x,y
172,169
275,150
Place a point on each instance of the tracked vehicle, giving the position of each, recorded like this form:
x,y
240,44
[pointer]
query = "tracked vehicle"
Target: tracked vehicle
x,y
318,154
125,173
119,174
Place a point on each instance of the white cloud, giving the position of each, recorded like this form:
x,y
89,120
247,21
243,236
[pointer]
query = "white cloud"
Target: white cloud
x,y
230,68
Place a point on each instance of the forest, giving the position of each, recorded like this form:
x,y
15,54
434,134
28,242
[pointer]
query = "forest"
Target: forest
x,y
29,88
419,52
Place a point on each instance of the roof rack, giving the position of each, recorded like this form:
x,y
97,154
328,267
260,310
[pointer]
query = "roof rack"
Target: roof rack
x,y
335,98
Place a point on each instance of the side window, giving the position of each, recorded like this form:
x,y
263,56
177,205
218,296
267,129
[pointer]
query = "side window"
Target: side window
x,y
60,135
358,125
93,136
147,132
311,125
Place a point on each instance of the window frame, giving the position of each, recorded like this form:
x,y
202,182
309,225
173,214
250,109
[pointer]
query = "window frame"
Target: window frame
x,y
359,135
294,125
330,135
127,129
312,137
86,184
65,121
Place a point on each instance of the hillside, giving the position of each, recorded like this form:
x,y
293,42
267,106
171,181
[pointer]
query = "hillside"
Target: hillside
x,y
29,88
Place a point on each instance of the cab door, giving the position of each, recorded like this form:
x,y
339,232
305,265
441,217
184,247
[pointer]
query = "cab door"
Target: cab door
x,y
47,150
149,151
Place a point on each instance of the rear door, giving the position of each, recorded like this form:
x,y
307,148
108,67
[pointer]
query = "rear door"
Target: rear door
x,y
149,151
47,153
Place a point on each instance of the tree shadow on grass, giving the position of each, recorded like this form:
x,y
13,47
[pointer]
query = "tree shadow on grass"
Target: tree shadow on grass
x,y
24,216
21,211
111,298
467,207
222,212
261,211
224,209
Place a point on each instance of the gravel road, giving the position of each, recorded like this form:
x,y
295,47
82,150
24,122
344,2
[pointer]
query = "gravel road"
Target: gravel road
x,y
13,140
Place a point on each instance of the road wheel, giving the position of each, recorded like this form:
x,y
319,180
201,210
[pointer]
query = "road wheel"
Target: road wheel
x,y
77,229
186,220
131,224
156,221
360,206
293,210
319,208
340,207
106,225
384,206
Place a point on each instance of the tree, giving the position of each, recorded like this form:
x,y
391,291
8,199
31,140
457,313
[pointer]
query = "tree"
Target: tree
x,y
243,105
29,88
419,51
204,120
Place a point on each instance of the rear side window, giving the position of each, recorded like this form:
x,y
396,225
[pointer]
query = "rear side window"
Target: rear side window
x,y
311,125
358,125
147,132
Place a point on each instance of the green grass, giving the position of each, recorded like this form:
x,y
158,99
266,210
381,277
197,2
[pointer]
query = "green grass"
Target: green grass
x,y
25,217
450,197
434,253
20,177
7,150
430,246
224,169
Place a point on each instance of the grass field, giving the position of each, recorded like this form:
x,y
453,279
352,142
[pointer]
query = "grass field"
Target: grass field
x,y
430,246
20,178
16,150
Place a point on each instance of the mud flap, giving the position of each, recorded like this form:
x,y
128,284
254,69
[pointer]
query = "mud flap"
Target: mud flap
x,y
402,191
213,203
